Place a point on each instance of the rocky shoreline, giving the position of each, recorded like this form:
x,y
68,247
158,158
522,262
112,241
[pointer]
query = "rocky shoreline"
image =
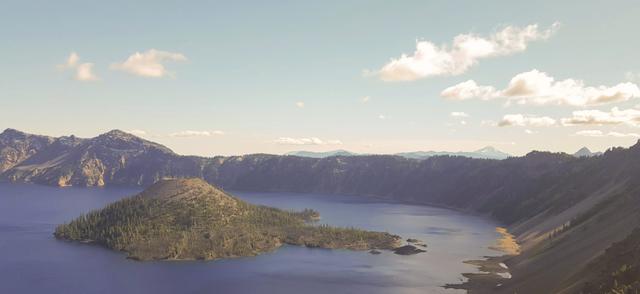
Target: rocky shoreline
x,y
492,270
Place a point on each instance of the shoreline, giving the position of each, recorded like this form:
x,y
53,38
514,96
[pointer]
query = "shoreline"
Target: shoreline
x,y
492,269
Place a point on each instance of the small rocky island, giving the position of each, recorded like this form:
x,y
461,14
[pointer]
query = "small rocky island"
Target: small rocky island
x,y
183,219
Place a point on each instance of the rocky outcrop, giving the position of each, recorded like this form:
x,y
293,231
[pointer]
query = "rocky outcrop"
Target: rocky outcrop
x,y
113,158
16,146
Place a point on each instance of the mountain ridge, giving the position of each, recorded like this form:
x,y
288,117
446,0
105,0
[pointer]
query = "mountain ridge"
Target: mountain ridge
x,y
564,210
586,152
488,152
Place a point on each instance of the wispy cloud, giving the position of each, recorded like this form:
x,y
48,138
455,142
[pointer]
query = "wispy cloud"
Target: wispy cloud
x,y
71,62
83,71
598,117
382,116
632,76
191,133
300,104
306,141
465,51
149,63
538,88
526,121
365,99
459,114
598,133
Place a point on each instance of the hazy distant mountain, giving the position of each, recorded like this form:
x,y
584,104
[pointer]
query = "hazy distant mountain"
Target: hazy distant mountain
x,y
564,210
585,152
486,153
313,154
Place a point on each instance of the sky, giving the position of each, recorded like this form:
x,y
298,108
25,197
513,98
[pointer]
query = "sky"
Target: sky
x,y
221,78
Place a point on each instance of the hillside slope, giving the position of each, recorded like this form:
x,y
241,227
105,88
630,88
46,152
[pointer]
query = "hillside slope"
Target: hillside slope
x,y
615,271
190,219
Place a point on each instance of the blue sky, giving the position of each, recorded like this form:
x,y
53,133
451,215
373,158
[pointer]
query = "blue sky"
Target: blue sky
x,y
252,76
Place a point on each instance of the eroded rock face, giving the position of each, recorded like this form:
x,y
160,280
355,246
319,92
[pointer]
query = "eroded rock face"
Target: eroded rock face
x,y
16,146
115,157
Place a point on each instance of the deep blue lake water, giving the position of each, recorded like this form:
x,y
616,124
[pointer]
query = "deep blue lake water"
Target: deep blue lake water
x,y
32,261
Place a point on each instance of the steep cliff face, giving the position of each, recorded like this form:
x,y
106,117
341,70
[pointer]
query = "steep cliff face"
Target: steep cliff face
x,y
16,146
116,158
499,188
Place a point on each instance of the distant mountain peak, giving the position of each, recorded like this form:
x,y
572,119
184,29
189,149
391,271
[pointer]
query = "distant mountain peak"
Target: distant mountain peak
x,y
126,140
12,132
312,154
487,149
118,134
586,152
584,149
488,152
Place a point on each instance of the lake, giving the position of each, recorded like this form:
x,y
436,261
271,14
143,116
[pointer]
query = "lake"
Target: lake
x,y
32,261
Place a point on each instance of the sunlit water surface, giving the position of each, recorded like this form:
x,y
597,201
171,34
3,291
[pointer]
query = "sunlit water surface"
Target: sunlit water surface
x,y
32,261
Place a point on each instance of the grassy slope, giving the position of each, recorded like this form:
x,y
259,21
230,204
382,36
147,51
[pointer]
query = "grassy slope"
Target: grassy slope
x,y
616,271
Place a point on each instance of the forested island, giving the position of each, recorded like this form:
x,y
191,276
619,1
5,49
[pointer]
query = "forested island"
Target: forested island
x,y
182,219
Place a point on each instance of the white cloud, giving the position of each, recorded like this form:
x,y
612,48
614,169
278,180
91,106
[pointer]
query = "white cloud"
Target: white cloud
x,y
149,63
382,116
191,133
590,133
468,90
459,114
465,51
84,71
300,104
306,141
598,117
598,133
530,132
623,135
526,121
71,62
365,99
536,87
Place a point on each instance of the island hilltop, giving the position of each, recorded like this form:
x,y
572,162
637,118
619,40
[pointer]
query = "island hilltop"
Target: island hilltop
x,y
182,219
